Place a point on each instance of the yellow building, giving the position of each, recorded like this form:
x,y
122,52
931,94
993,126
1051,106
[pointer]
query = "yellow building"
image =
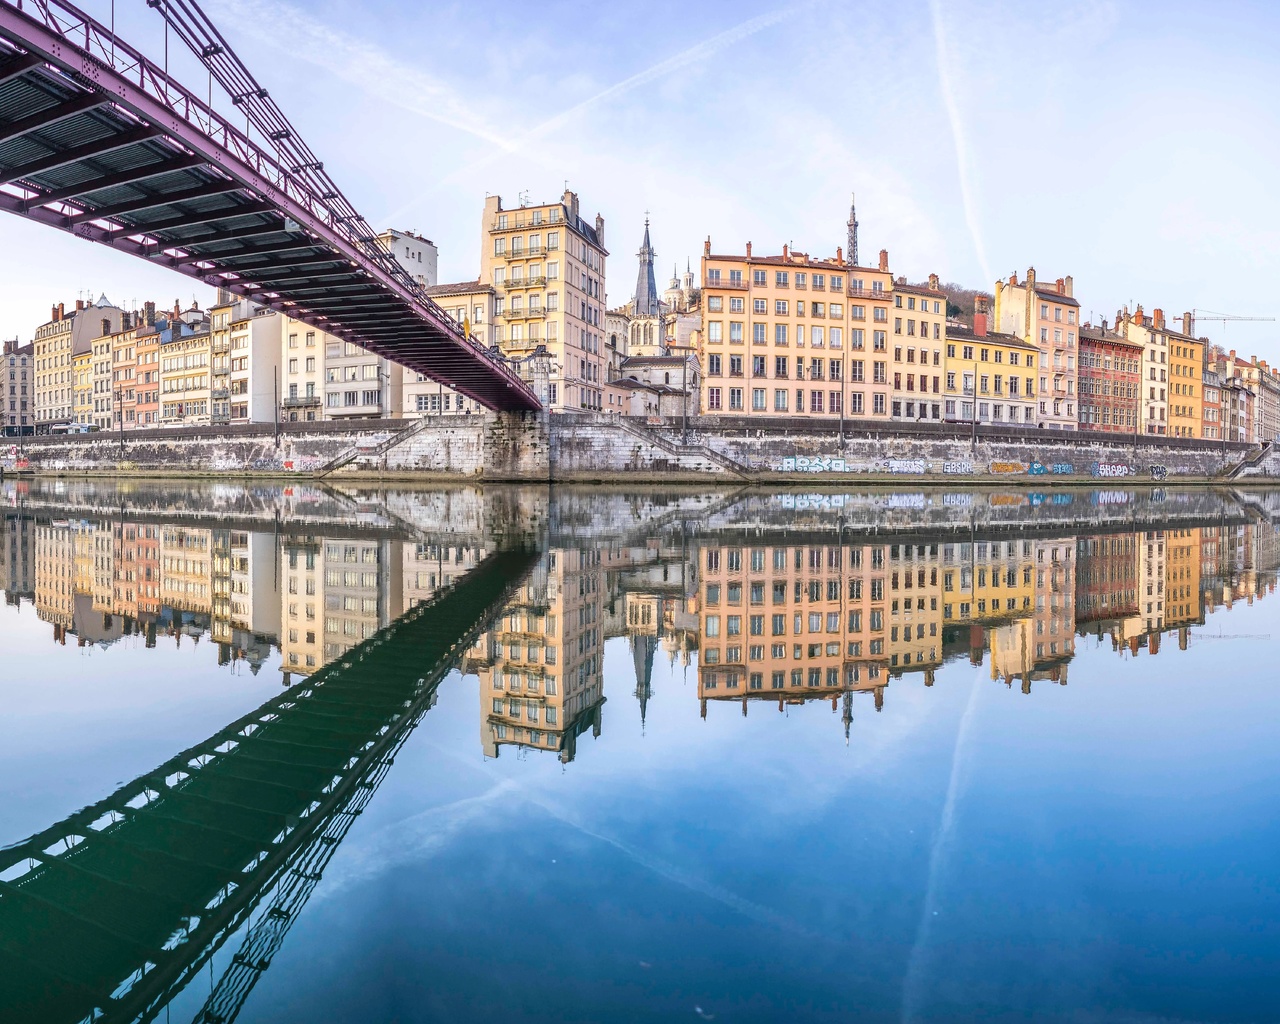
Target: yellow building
x,y
82,374
988,372
1184,600
547,265
1186,384
1048,318
1171,394
185,383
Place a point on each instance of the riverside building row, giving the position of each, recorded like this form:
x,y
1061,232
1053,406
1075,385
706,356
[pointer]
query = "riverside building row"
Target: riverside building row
x,y
761,337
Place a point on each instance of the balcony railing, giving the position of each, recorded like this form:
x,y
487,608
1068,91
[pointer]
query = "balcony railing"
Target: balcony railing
x,y
525,282
301,401
538,313
733,285
526,251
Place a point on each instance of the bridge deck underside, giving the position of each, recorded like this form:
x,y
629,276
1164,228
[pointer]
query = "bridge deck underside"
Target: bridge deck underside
x,y
135,891
72,158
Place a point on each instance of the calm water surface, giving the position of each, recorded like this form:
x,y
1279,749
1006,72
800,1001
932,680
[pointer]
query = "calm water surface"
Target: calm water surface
x,y
524,755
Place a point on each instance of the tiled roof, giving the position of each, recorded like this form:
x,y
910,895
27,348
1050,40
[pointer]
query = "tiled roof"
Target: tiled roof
x,y
965,333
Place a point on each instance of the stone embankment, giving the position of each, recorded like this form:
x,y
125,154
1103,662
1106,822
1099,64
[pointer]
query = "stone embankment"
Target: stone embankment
x,y
591,447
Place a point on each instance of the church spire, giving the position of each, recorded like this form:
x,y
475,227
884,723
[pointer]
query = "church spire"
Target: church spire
x,y
646,298
852,250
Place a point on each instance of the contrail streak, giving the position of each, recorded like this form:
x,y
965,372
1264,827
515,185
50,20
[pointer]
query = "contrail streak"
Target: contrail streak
x,y
958,137
913,983
692,55
363,65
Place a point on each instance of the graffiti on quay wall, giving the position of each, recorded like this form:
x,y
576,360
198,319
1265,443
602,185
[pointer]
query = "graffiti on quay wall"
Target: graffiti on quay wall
x,y
1159,472
1110,469
957,467
905,465
1057,468
814,464
1008,468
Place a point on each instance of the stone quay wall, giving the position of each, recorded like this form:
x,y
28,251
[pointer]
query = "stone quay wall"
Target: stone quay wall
x,y
584,447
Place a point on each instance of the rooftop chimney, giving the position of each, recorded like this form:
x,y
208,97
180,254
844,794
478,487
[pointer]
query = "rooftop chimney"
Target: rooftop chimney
x,y
62,311
933,281
884,259
1069,286
1013,280
1188,325
106,327
79,305
784,252
54,314
150,311
980,313
706,246
839,254
1138,317
748,250
1157,319
1061,285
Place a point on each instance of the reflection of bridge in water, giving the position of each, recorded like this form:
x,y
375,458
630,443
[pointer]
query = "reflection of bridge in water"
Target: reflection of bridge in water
x,y
111,912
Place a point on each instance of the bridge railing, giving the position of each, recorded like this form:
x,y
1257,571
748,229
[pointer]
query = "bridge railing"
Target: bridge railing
x,y
328,207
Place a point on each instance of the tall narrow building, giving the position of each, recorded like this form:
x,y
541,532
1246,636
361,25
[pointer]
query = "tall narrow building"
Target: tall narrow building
x,y
547,265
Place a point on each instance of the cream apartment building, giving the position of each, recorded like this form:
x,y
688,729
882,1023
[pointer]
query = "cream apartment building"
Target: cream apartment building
x,y
547,265
65,335
1047,316
797,335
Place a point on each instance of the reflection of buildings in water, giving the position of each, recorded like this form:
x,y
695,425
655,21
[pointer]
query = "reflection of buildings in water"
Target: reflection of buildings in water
x,y
18,559
793,624
1106,580
55,575
336,593
186,570
1039,646
541,665
801,623
1184,600
428,567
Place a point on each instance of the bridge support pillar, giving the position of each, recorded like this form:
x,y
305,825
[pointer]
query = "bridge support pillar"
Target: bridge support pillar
x,y
517,446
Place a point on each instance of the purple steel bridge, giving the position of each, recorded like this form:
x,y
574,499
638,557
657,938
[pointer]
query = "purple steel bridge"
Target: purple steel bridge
x,y
99,141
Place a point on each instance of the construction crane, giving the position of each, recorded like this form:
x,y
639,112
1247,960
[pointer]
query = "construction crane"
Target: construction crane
x,y
1222,318
1231,636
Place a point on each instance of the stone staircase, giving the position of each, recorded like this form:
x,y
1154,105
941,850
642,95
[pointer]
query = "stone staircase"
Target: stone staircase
x,y
682,451
356,451
1251,461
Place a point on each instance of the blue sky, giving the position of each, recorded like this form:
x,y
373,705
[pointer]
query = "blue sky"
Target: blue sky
x,y
1128,144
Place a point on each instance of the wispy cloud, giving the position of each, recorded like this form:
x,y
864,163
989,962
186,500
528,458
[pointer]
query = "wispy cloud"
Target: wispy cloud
x,y
958,137
363,65
694,55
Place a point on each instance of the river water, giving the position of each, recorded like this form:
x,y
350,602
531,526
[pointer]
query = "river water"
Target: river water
x,y
529,754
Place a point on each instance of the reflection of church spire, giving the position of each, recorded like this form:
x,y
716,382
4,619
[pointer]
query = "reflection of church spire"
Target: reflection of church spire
x,y
642,650
646,299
